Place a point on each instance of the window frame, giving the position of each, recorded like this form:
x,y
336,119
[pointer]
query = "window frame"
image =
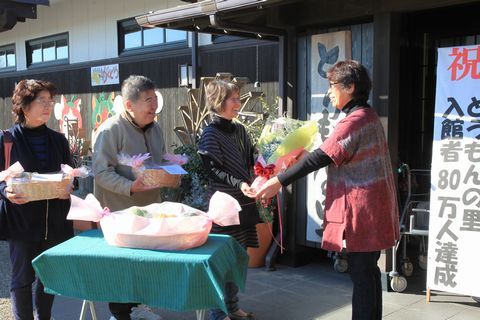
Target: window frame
x,y
42,41
122,24
5,48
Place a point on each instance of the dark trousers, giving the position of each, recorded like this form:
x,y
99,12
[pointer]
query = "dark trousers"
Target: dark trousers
x,y
121,311
231,301
23,276
367,285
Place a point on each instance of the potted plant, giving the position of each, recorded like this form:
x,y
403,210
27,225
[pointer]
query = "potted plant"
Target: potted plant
x,y
265,234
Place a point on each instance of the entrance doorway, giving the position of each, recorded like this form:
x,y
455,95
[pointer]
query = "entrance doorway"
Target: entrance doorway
x,y
424,33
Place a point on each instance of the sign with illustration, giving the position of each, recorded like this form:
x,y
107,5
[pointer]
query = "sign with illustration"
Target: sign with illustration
x,y
105,105
454,228
68,112
104,75
102,108
326,50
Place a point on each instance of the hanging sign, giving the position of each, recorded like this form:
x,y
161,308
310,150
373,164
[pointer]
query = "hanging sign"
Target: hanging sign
x,y
104,75
326,50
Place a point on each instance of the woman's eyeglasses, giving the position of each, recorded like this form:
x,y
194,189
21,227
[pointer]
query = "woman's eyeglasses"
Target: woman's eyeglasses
x,y
331,84
45,102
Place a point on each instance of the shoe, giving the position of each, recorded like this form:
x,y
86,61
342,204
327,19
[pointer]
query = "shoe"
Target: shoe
x,y
238,315
142,312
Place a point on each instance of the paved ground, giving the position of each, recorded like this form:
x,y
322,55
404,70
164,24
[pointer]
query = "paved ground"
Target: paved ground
x,y
313,291
5,313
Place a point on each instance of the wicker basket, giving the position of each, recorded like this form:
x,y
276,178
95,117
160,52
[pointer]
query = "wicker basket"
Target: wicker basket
x,y
40,190
160,178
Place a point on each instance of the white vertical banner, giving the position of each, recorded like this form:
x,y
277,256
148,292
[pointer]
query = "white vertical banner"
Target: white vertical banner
x,y
326,50
454,230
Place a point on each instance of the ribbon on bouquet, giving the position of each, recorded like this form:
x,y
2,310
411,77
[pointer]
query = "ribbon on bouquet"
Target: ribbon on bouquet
x,y
105,212
264,171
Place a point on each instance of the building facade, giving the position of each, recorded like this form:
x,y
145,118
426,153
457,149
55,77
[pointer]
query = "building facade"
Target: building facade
x,y
87,48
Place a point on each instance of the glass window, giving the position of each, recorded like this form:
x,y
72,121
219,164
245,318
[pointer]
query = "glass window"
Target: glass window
x,y
48,49
175,35
62,49
7,57
37,53
133,36
3,60
11,60
153,36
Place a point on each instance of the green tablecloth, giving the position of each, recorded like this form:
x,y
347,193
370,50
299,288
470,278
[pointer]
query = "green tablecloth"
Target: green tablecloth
x,y
86,267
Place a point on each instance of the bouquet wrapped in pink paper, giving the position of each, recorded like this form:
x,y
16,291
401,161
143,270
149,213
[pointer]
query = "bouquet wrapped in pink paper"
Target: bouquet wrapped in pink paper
x,y
160,226
153,174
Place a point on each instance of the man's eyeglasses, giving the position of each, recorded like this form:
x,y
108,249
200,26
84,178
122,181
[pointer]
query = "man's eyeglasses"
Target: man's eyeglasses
x,y
331,84
45,102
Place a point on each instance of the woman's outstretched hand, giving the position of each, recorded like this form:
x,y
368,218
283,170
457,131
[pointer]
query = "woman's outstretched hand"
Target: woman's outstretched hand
x,y
247,190
269,189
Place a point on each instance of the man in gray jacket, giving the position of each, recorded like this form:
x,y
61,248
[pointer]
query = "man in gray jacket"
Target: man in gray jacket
x,y
132,132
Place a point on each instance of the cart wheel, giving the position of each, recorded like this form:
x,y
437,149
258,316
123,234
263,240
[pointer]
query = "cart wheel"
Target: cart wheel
x,y
422,261
340,265
398,283
407,268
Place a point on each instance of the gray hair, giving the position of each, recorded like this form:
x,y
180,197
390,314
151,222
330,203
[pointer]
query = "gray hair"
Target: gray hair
x,y
133,85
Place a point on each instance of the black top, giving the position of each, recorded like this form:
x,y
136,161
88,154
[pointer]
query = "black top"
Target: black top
x,y
37,139
316,159
227,155
35,220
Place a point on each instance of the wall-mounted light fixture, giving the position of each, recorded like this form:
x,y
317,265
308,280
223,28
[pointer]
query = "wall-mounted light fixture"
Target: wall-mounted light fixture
x,y
184,75
257,83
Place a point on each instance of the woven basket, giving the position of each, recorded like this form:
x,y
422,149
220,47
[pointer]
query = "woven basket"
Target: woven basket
x,y
40,190
160,178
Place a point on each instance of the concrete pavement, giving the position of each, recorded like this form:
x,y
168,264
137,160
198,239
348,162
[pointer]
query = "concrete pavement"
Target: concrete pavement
x,y
314,291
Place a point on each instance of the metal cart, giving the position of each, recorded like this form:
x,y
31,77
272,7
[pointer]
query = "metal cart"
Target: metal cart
x,y
414,220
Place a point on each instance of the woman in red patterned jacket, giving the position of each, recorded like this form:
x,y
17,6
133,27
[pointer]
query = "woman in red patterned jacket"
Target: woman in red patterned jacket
x,y
361,206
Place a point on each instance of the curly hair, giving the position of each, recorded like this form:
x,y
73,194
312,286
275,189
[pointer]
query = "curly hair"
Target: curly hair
x,y
217,92
25,92
350,72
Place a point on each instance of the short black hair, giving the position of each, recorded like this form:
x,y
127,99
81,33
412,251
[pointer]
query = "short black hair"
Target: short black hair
x,y
350,72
